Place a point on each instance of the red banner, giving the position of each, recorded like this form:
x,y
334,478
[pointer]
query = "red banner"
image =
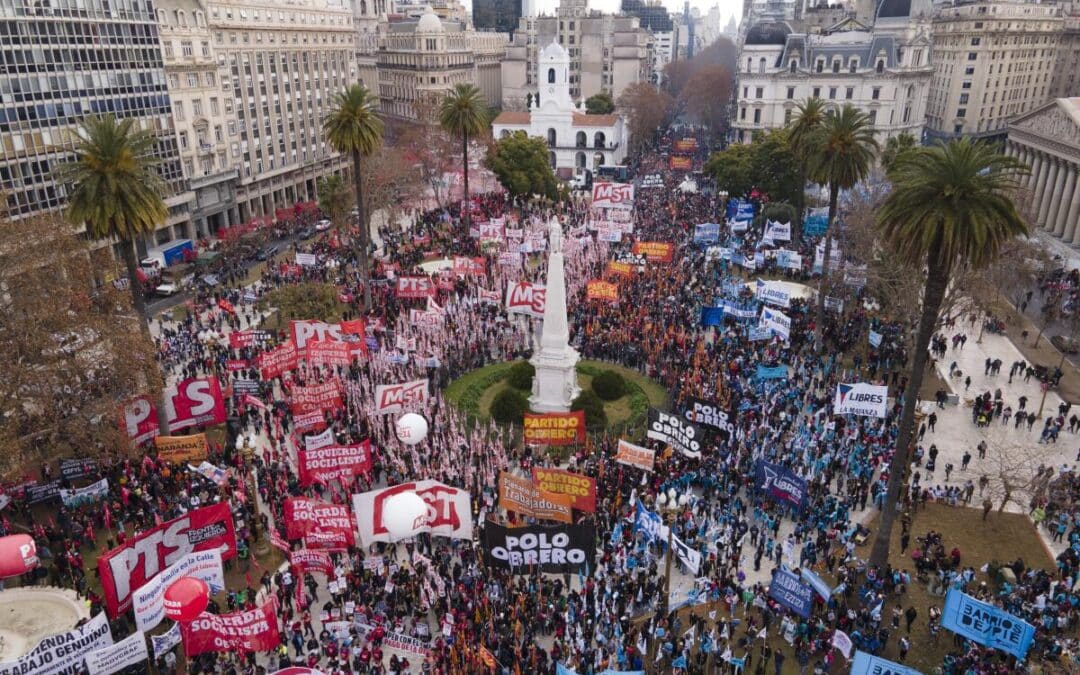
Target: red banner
x,y
560,481
601,290
236,364
325,396
126,568
680,163
621,269
415,287
330,353
525,297
354,327
306,560
310,330
554,428
686,145
311,421
655,251
331,462
391,398
254,630
195,402
247,338
273,363
469,266
304,516
139,419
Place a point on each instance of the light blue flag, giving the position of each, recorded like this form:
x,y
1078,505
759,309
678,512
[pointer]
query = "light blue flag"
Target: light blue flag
x,y
986,624
679,662
868,664
560,669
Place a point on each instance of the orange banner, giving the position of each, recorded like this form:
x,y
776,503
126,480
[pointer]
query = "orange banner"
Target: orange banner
x,y
555,428
601,290
681,163
655,251
581,488
686,145
521,495
620,268
636,456
181,448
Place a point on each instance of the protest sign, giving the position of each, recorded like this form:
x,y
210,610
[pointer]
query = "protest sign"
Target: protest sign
x,y
709,414
333,462
554,428
868,664
780,483
392,398
680,434
322,397
521,495
415,287
777,322
608,195
601,290
635,456
654,251
304,516
789,591
861,398
524,297
181,448
94,492
278,361
166,641
253,630
74,469
581,488
561,548
194,402
62,653
127,652
148,602
449,511
986,624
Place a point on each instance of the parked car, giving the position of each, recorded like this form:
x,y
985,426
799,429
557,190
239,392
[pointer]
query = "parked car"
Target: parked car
x,y
167,289
579,182
307,233
1065,344
323,225
267,253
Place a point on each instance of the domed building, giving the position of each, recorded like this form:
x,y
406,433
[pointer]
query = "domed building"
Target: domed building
x,y
577,142
883,69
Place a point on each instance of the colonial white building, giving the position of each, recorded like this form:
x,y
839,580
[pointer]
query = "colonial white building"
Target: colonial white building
x,y
577,141
883,69
1047,139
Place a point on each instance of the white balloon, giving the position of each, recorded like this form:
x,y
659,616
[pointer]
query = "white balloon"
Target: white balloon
x,y
411,428
672,495
661,499
683,499
403,514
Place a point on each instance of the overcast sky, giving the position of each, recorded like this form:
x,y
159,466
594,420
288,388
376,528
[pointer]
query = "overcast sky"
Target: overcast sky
x,y
727,7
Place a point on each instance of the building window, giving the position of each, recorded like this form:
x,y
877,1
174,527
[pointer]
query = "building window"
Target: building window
x,y
582,139
836,65
551,76
742,113
168,49
761,65
178,110
975,41
791,92
880,66
973,56
820,65
873,117
875,93
185,48
787,117
849,93
183,140
757,115
794,66
853,64
969,70
759,92
963,99
551,137
961,112
832,92
958,129
205,48
196,107
192,79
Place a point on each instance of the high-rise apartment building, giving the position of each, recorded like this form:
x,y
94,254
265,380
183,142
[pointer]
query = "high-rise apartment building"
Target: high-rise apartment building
x,y
501,16
67,59
607,53
283,63
200,114
993,60
1065,82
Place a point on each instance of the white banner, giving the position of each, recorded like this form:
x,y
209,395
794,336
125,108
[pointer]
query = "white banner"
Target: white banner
x,y
149,601
777,322
127,652
391,398
449,511
319,440
524,297
307,259
691,557
166,641
62,653
778,231
607,195
860,398
841,641
773,293
85,495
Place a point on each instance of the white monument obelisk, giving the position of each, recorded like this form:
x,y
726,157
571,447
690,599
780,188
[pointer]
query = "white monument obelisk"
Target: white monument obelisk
x,y
555,385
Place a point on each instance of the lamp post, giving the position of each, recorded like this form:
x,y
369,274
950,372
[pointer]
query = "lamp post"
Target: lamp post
x,y
668,506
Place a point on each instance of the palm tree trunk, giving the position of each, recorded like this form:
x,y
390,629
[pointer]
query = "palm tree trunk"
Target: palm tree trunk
x,y
465,205
800,209
937,280
819,322
365,232
153,378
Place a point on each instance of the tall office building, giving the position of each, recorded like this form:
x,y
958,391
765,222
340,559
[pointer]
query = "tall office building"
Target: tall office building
x,y
1065,81
64,60
993,60
284,62
496,15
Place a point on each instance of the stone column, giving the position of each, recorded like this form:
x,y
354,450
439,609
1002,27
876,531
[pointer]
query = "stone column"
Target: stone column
x,y
1043,190
1064,198
1038,196
1037,168
1072,232
1056,195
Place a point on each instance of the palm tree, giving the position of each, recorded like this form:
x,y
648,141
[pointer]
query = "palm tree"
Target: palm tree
x,y
464,113
949,208
808,118
894,146
843,153
353,127
115,190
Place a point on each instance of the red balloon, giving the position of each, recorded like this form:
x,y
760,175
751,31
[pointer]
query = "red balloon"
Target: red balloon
x,y
18,555
186,599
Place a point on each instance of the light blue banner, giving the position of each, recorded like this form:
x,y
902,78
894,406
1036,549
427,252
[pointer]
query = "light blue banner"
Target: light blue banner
x,y
609,671
771,372
648,522
986,624
560,669
868,664
817,583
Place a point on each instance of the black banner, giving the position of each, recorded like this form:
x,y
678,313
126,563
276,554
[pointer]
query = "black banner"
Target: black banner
x,y
684,436
42,492
74,469
563,548
709,414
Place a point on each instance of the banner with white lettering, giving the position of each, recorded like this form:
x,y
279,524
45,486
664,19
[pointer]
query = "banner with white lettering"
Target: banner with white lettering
x,y
127,652
777,322
253,630
449,511
304,516
860,398
166,641
680,434
688,555
561,548
392,398
63,653
525,297
607,195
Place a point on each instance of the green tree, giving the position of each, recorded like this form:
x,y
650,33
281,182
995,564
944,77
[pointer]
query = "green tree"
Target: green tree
x,y
353,127
464,113
521,164
309,300
894,146
775,168
808,118
733,168
600,104
949,209
334,199
843,153
115,190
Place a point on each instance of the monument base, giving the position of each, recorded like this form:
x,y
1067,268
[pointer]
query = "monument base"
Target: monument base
x,y
555,384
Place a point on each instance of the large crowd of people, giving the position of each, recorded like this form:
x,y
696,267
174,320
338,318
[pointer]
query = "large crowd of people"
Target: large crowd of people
x,y
462,616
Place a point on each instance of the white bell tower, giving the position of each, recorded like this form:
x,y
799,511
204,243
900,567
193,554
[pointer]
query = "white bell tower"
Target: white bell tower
x,y
553,79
